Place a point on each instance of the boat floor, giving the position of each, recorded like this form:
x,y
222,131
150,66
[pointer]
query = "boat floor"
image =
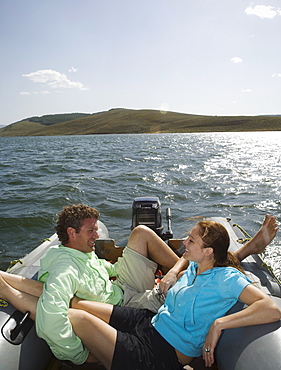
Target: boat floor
x,y
56,364
197,364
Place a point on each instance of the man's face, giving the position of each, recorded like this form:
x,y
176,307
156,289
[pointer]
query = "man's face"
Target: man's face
x,y
84,241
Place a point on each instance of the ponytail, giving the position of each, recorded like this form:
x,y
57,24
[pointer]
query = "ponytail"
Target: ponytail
x,y
232,261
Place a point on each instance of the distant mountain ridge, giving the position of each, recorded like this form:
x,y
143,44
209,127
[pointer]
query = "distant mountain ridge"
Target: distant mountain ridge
x,y
51,119
130,121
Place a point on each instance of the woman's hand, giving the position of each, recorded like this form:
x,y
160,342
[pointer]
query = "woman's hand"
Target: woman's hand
x,y
210,343
260,309
173,275
167,282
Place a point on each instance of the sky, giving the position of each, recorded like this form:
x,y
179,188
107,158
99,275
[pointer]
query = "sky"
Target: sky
x,y
208,57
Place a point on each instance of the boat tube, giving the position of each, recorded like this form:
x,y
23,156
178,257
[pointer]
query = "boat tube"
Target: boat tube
x,y
252,347
247,348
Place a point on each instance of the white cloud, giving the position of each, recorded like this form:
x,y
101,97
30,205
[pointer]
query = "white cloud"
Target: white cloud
x,y
54,79
236,60
246,90
45,92
72,69
263,11
276,75
41,92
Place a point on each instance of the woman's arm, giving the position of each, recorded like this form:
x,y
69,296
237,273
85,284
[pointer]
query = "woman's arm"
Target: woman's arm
x,y
261,310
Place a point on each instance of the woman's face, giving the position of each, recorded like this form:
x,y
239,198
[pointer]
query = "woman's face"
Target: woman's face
x,y
194,246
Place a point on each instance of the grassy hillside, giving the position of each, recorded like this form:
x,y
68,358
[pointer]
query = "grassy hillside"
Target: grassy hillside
x,y
123,121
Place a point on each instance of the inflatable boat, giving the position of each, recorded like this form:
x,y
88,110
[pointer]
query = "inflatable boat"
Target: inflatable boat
x,y
250,348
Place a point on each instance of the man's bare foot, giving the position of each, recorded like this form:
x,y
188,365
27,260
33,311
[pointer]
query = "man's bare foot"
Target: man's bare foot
x,y
262,238
265,235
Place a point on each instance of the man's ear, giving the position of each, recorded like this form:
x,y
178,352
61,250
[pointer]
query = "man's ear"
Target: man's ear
x,y
71,232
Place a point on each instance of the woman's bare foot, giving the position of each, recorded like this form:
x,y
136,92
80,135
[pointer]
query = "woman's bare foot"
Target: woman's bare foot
x,y
3,288
20,300
23,284
263,237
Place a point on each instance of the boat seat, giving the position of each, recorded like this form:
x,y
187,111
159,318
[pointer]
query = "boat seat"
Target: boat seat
x,y
106,248
254,279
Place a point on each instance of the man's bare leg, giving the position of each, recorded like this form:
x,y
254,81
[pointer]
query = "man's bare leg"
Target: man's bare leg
x,y
262,238
30,286
146,242
21,301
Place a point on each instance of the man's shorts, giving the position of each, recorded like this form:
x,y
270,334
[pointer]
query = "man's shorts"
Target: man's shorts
x,y
138,345
136,276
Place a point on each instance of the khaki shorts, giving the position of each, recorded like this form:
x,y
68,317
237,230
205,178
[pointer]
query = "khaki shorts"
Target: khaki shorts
x,y
136,276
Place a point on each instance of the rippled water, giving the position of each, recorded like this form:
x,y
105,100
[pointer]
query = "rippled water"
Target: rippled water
x,y
219,174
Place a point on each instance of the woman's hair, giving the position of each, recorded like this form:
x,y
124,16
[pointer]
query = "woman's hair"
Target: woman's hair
x,y
215,235
72,216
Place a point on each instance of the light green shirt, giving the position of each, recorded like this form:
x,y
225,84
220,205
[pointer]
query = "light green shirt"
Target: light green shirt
x,y
67,272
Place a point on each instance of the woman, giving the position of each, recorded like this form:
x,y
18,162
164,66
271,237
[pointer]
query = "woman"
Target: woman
x,y
139,339
191,320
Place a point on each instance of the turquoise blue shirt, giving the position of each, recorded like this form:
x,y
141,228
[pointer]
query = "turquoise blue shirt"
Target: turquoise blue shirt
x,y
194,303
67,272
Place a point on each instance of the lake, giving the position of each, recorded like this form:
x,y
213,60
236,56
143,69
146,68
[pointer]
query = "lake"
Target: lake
x,y
233,175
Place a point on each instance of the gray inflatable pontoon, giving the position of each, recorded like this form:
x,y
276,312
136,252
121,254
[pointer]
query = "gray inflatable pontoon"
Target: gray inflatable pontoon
x,y
250,348
253,347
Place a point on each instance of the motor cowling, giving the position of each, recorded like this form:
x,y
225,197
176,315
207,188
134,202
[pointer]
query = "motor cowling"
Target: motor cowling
x,y
147,211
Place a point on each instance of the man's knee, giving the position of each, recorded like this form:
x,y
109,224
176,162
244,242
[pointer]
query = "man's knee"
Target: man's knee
x,y
140,235
139,239
141,229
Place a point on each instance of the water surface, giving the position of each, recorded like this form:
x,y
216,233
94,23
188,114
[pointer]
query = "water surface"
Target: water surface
x,y
233,175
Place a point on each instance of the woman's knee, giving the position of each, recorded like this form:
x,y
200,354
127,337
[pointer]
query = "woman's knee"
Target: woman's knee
x,y
78,318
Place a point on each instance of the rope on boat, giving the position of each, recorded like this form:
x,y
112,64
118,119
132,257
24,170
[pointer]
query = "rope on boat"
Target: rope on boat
x,y
263,264
3,303
13,263
245,233
242,241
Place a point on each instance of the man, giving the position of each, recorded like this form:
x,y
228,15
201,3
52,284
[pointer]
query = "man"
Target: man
x,y
72,269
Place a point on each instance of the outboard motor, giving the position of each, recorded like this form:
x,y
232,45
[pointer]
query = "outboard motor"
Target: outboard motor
x,y
147,211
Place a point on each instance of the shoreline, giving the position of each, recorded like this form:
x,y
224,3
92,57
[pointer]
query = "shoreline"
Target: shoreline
x,y
128,121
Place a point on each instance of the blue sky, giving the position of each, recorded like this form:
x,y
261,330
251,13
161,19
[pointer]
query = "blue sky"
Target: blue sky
x,y
209,57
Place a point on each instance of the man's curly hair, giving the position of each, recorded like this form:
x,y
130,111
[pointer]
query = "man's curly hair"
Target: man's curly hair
x,y
72,216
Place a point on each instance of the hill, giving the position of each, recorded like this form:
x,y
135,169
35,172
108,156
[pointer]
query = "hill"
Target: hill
x,y
124,121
